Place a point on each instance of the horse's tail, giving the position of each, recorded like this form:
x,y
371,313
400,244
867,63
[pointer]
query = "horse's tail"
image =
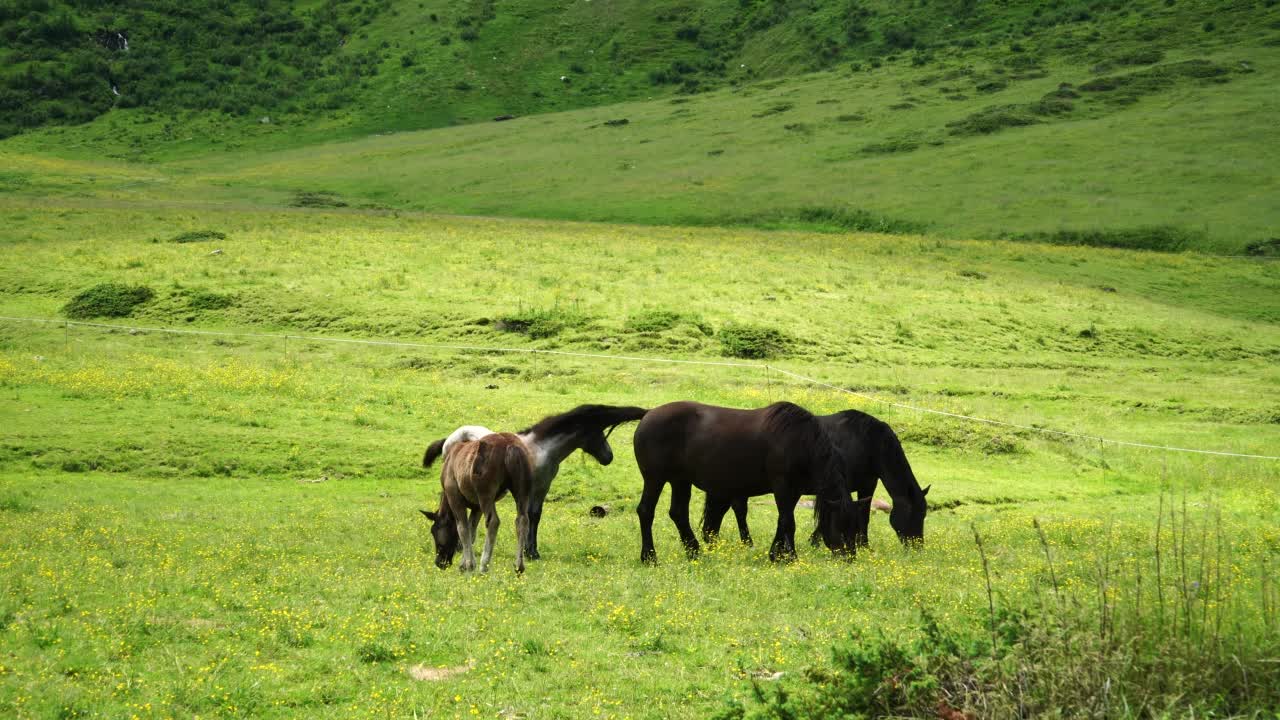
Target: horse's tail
x,y
434,450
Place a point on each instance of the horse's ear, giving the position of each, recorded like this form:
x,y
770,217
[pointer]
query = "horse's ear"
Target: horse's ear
x,y
430,515
926,489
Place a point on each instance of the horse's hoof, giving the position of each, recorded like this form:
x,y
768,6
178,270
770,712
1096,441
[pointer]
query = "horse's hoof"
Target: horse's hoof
x,y
533,555
649,558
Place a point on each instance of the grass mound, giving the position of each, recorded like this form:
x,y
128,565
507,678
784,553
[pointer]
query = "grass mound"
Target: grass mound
x,y
1164,238
823,219
1263,248
198,236
540,324
993,119
753,342
208,300
107,300
320,199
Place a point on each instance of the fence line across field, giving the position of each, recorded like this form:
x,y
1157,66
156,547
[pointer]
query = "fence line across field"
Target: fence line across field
x,y
641,359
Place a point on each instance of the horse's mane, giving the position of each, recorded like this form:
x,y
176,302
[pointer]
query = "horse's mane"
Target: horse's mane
x,y
584,417
895,471
807,436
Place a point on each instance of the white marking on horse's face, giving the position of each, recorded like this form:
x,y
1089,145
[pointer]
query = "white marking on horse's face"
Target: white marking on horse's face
x,y
466,433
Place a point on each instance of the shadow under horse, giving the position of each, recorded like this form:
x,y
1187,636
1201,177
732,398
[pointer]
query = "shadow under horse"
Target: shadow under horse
x,y
475,476
869,452
550,441
726,452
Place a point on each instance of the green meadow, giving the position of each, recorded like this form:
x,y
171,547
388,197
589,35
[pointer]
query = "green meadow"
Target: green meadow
x,y
241,293
227,525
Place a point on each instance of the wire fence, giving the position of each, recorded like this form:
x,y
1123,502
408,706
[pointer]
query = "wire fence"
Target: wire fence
x,y
640,359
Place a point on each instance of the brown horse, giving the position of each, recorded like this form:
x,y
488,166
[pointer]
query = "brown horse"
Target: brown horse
x,y
550,441
475,476
780,450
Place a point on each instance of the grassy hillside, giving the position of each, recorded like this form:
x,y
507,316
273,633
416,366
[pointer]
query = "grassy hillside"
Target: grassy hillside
x,y
1176,153
378,65
227,526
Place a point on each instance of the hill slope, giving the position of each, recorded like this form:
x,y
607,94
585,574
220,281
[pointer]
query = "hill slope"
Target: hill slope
x,y
384,65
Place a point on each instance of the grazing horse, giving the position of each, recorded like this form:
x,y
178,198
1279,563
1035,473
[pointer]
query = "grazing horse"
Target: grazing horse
x,y
476,474
869,451
550,441
780,449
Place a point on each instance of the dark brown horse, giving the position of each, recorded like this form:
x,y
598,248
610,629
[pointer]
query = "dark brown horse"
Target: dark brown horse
x,y
475,476
870,452
780,450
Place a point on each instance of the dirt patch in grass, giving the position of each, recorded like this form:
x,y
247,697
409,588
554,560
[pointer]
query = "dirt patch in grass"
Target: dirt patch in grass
x,y
422,673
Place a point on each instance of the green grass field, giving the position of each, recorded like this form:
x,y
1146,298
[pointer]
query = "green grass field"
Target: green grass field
x,y
296,249
227,525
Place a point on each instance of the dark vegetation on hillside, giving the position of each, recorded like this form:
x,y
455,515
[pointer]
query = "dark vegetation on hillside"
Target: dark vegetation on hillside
x,y
68,62
432,63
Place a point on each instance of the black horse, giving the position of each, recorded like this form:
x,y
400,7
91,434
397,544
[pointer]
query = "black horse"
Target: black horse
x,y
780,449
869,451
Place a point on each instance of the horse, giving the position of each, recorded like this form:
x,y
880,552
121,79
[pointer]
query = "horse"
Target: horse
x,y
726,452
550,441
869,451
476,474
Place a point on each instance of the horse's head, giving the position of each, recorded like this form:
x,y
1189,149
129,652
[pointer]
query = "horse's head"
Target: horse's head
x,y
907,518
444,532
596,444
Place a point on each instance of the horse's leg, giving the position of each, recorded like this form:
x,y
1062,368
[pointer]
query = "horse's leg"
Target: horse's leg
x,y
522,531
783,547
862,518
712,515
490,532
535,519
458,508
645,509
471,539
740,512
679,514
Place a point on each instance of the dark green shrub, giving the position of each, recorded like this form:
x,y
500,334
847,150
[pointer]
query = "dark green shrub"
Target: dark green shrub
x,y
753,342
107,300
